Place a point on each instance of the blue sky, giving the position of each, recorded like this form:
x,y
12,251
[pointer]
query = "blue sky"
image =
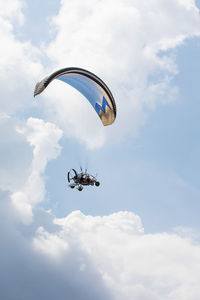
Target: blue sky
x,y
137,235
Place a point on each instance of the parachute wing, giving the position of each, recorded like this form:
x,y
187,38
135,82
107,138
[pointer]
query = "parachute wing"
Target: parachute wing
x,y
89,85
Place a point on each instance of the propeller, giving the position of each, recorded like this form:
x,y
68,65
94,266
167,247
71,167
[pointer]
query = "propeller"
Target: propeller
x,y
72,174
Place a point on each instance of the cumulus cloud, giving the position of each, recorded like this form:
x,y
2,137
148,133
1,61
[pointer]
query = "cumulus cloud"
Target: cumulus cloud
x,y
85,257
19,61
132,264
128,44
15,154
26,148
43,137
27,272
12,10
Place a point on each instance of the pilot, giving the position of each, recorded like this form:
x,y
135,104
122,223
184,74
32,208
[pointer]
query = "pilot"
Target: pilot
x,y
87,179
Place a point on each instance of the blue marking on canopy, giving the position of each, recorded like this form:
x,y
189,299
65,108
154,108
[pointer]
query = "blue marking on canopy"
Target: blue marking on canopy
x,y
85,86
102,107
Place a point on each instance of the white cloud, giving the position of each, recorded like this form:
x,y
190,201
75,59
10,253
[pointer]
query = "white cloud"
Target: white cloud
x,y
12,10
124,42
85,257
15,154
43,137
43,266
26,148
19,61
188,233
133,265
50,244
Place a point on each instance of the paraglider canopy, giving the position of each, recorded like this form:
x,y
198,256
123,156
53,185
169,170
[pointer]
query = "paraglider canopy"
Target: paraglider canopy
x,y
88,84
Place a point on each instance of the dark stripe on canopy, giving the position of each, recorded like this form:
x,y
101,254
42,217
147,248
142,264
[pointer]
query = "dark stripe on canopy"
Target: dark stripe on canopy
x,y
90,75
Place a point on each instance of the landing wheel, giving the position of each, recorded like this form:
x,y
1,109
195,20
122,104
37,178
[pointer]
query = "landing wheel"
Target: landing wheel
x,y
97,183
80,188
